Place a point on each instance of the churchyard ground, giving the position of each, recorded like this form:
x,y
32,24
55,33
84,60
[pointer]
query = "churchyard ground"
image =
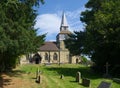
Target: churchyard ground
x,y
24,76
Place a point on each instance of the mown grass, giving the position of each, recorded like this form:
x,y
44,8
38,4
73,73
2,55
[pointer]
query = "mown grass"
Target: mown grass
x,y
51,76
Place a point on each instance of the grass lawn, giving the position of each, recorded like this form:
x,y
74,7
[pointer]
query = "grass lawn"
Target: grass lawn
x,y
51,76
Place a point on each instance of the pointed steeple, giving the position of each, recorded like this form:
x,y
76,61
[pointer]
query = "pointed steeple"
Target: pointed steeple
x,y
64,24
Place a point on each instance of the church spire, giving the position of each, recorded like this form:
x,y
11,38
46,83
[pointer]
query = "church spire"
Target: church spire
x,y
64,24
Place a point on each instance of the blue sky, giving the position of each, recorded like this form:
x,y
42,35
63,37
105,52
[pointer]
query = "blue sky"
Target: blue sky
x,y
49,16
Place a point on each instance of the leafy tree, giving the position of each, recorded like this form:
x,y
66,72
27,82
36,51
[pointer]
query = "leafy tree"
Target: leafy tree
x,y
75,42
101,38
17,33
102,32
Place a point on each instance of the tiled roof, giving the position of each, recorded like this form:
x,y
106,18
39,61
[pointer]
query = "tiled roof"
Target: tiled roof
x,y
49,46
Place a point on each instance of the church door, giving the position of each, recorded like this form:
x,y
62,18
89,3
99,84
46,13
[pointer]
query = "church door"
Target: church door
x,y
37,58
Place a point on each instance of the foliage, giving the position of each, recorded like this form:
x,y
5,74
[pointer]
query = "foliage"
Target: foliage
x,y
84,60
75,40
17,33
102,33
102,29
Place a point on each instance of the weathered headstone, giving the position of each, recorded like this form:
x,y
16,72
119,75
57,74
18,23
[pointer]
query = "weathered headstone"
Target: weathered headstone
x,y
86,82
78,77
38,77
38,80
104,85
62,77
117,80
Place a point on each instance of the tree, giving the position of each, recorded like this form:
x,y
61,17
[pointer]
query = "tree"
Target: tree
x,y
102,32
75,42
17,33
101,40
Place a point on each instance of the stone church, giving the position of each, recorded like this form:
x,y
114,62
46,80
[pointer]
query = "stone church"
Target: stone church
x,y
56,52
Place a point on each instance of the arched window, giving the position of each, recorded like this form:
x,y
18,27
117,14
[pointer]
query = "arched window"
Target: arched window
x,y
55,56
46,56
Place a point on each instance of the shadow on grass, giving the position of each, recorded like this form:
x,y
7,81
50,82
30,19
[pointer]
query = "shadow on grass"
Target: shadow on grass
x,y
73,81
15,73
5,77
69,71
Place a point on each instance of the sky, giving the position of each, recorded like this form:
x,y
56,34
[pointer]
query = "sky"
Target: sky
x,y
50,14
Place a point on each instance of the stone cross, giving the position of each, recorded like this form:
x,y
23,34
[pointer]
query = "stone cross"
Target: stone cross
x,y
107,65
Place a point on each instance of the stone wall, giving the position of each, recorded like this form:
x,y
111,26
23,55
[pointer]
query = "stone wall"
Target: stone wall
x,y
23,59
42,54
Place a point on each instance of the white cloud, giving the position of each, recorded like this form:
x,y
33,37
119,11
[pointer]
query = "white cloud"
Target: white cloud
x,y
50,23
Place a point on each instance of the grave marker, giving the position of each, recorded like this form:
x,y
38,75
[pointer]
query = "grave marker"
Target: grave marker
x,y
78,77
62,77
117,80
104,85
38,77
86,82
38,80
106,70
107,67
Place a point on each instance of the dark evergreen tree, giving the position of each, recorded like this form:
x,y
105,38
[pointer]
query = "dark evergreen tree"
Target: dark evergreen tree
x,y
102,34
75,42
102,29
17,33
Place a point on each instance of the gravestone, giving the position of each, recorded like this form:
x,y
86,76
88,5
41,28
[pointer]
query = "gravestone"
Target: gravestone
x,y
38,80
117,80
78,77
38,77
104,85
62,77
86,82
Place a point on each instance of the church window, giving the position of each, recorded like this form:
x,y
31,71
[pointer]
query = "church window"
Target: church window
x,y
46,56
55,56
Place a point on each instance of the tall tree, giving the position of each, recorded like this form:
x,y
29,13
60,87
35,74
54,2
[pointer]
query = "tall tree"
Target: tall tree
x,y
17,33
75,42
101,38
102,31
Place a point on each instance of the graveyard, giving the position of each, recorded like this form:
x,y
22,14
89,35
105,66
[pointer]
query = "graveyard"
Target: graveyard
x,y
54,76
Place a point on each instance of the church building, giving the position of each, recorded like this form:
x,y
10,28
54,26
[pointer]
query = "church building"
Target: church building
x,y
56,52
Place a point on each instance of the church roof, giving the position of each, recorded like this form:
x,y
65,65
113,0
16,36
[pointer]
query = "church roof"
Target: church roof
x,y
49,46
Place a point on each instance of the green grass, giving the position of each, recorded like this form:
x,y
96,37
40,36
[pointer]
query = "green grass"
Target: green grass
x,y
51,76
